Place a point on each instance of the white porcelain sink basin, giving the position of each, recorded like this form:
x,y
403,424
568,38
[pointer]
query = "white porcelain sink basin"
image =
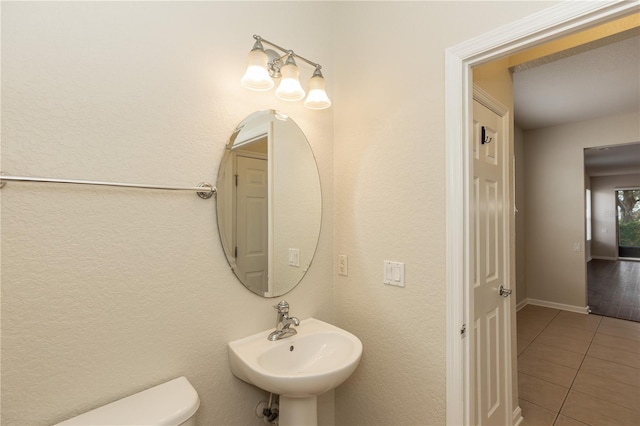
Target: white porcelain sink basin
x,y
316,360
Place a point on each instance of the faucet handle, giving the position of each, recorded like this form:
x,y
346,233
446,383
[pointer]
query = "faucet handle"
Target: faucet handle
x,y
282,307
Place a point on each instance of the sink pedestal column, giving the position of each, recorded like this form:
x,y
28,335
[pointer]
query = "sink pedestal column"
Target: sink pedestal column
x,y
298,411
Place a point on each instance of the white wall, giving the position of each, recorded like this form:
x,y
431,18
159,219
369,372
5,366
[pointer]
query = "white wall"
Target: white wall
x,y
555,206
603,212
390,195
108,291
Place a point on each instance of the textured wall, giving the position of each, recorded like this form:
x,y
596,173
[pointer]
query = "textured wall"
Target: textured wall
x,y
106,292
555,206
390,197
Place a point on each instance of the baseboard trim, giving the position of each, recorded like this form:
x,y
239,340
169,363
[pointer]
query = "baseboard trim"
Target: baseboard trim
x,y
522,304
554,305
604,258
517,418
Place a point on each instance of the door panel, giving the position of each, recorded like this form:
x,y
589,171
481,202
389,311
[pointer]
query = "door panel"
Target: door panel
x,y
490,264
252,223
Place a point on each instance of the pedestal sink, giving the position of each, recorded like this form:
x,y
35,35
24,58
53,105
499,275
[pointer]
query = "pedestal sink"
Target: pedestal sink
x,y
298,368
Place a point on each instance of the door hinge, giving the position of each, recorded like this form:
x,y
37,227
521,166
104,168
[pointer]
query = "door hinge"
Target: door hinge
x,y
463,330
236,180
235,252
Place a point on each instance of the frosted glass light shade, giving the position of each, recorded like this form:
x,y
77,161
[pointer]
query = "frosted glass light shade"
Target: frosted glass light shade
x,y
257,77
317,98
290,88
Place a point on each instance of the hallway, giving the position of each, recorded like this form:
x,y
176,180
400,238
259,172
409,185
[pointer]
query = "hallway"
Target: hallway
x,y
613,288
576,369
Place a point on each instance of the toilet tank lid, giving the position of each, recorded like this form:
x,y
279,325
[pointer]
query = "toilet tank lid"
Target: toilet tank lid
x,y
167,404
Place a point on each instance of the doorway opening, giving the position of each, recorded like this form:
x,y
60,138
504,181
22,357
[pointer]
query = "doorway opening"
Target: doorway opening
x,y
612,179
612,284
553,23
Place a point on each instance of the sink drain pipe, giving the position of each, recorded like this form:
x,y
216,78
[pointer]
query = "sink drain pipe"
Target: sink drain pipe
x,y
268,411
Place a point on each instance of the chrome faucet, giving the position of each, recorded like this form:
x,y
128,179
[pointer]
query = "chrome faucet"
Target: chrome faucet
x,y
283,322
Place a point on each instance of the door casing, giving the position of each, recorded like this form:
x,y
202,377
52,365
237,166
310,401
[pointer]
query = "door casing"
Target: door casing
x,y
553,23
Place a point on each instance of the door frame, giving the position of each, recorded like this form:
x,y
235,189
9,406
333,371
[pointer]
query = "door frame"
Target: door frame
x,y
555,22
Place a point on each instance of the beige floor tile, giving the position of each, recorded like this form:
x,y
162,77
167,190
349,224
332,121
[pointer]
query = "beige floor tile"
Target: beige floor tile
x,y
533,322
582,321
616,322
620,331
565,343
528,332
542,393
608,353
605,384
522,345
595,411
535,415
529,363
568,332
533,318
539,311
618,372
608,390
567,421
555,354
617,342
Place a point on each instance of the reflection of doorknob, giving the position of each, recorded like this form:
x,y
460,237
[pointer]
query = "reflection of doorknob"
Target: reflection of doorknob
x,y
505,292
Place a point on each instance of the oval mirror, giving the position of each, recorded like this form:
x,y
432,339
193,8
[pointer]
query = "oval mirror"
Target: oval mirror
x,y
269,203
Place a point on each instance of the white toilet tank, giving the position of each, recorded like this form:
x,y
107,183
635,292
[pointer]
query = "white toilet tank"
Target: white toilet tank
x,y
173,403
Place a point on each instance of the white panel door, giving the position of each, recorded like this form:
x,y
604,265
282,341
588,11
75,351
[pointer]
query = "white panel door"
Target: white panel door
x,y
252,223
490,268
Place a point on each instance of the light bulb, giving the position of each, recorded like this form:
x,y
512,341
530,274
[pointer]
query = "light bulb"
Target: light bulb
x,y
317,98
257,77
290,88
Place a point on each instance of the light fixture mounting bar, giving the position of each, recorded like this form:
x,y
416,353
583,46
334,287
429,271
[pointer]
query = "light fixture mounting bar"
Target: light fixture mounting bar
x,y
287,51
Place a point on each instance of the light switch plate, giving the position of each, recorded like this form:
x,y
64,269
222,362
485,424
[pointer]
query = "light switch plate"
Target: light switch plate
x,y
393,273
343,265
294,257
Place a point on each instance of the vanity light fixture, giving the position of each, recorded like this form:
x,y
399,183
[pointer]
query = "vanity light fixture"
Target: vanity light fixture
x,y
266,65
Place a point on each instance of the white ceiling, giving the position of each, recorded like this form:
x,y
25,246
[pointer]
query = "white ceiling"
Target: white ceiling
x,y
612,160
582,84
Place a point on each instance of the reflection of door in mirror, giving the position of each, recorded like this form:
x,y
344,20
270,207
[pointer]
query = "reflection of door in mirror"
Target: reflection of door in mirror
x,y
251,222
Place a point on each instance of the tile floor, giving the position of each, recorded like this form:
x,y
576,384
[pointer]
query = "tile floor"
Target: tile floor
x,y
576,369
